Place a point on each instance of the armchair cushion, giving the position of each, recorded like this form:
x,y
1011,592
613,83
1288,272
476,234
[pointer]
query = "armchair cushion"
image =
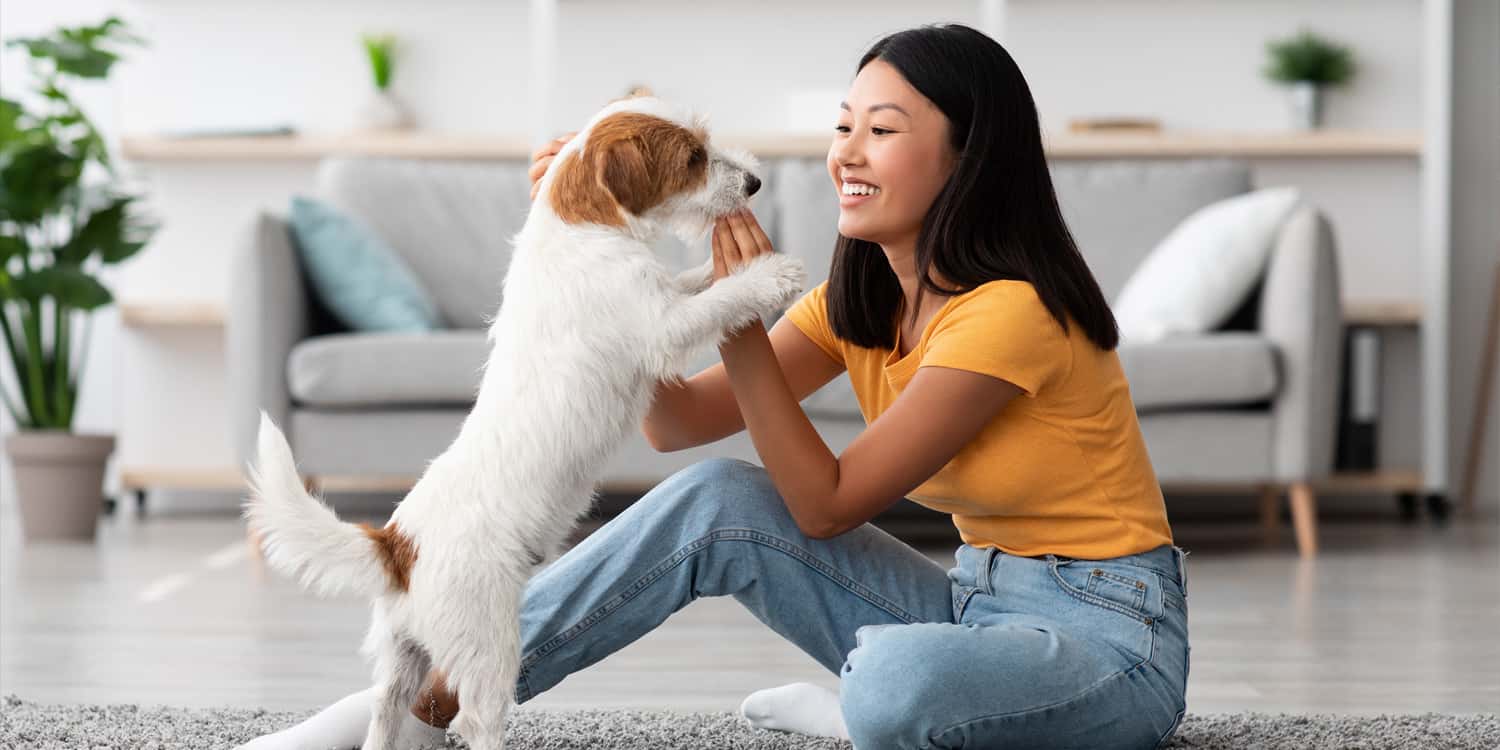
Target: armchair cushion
x,y
1220,369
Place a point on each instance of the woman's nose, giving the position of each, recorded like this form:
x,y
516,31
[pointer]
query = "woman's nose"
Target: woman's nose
x,y
752,184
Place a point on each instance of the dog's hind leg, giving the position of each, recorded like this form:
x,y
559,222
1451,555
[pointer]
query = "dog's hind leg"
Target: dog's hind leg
x,y
487,689
401,668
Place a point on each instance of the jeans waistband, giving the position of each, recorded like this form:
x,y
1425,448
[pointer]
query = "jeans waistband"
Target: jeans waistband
x,y
1166,560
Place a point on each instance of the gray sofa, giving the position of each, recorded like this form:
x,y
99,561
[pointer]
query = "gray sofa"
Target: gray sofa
x,y
1252,404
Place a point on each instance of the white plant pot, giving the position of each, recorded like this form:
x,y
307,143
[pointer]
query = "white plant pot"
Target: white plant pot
x,y
381,110
1306,105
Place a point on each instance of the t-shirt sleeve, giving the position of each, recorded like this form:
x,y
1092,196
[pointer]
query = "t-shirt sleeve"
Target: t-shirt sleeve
x,y
1003,330
810,315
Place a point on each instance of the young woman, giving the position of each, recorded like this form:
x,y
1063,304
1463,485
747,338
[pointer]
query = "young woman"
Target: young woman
x,y
982,354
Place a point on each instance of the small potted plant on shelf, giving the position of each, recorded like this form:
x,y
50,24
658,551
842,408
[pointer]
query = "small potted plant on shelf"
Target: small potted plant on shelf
x,y
1308,63
381,110
56,231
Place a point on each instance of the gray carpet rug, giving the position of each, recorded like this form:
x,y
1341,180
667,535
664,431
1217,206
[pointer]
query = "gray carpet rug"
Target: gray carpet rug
x,y
25,725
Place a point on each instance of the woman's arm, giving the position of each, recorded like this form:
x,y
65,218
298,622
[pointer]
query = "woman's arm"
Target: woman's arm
x,y
702,408
939,412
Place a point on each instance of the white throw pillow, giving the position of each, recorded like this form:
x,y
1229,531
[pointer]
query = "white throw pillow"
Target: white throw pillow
x,y
1196,277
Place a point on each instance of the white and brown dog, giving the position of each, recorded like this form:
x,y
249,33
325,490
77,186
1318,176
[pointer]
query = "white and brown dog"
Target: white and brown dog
x,y
590,321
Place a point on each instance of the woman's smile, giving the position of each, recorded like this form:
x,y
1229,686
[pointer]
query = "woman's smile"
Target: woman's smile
x,y
854,193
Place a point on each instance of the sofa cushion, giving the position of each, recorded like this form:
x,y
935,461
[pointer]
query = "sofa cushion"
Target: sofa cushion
x,y
360,279
1218,369
363,369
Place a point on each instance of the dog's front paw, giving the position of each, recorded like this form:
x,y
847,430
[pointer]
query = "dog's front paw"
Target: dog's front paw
x,y
776,280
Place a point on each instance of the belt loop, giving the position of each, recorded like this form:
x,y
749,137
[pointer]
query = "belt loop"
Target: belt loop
x,y
1181,555
987,566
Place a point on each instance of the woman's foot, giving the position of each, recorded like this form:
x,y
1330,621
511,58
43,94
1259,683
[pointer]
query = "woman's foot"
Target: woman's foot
x,y
343,725
800,707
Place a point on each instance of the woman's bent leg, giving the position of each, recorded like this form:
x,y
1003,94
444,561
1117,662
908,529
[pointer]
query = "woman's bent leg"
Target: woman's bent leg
x,y
719,528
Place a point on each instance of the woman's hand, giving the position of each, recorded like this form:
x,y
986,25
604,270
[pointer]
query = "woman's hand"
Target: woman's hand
x,y
543,157
738,239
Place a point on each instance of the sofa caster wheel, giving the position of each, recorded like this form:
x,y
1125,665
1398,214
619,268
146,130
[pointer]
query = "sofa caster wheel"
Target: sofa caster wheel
x,y
1438,507
1406,503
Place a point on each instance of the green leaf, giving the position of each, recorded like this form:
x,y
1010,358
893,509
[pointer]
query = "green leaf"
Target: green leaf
x,y
11,130
67,284
115,232
34,178
11,246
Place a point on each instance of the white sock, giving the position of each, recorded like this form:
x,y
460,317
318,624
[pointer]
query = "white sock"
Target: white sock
x,y
343,725
800,707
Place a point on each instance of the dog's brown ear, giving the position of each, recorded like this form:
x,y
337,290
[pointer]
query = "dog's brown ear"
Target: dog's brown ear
x,y
579,195
625,173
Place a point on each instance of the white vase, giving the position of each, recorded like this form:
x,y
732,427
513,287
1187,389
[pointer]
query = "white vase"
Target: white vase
x,y
381,110
1307,105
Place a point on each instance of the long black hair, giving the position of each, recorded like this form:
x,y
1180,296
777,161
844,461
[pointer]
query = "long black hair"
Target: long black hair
x,y
996,218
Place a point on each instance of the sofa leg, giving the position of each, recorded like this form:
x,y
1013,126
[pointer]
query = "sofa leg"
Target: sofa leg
x,y
1270,513
1305,518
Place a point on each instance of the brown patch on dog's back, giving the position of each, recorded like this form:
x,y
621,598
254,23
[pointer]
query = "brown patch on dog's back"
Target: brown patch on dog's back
x,y
397,553
631,162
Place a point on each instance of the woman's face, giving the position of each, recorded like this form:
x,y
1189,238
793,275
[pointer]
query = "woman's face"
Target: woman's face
x,y
894,141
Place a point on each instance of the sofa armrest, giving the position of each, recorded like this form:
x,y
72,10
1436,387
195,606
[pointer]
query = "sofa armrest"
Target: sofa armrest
x,y
1301,313
267,315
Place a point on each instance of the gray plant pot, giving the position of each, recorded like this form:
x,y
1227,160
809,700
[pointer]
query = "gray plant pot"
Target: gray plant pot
x,y
1307,105
60,480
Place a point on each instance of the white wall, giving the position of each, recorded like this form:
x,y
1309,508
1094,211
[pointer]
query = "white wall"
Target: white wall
x,y
463,68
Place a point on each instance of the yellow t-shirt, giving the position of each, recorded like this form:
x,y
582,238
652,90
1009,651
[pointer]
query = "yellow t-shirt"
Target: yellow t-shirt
x,y
1063,469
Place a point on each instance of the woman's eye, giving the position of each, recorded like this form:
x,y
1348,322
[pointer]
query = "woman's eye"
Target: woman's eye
x,y
841,128
880,131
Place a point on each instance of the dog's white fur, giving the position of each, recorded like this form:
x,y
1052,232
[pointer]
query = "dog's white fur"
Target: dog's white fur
x,y
591,320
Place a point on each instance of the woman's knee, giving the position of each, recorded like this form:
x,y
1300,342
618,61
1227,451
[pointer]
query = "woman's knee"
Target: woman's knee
x,y
718,492
890,683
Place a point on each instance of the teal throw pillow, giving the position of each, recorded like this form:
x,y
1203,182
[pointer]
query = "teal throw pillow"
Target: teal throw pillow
x,y
360,278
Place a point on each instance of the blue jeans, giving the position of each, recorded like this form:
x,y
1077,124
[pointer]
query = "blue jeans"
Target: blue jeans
x,y
1000,651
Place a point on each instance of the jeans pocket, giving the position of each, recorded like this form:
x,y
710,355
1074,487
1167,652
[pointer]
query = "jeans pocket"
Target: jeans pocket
x,y
1120,589
1117,604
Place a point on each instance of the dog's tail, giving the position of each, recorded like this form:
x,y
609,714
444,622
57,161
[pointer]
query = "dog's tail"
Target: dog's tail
x,y
303,539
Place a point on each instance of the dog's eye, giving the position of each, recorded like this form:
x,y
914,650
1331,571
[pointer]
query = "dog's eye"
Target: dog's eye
x,y
697,157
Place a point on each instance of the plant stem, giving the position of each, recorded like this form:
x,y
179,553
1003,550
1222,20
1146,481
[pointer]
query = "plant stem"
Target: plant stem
x,y
61,322
32,327
15,363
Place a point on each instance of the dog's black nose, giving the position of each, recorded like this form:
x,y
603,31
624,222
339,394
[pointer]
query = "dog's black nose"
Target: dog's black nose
x,y
752,184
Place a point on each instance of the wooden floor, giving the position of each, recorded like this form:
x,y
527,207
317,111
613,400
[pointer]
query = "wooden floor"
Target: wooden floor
x,y
169,610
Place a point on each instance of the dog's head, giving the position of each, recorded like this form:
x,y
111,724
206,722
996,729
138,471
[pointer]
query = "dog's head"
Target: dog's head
x,y
641,166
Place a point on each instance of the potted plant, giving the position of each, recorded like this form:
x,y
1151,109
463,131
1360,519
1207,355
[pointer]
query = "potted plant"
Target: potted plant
x,y
1308,63
381,109
56,231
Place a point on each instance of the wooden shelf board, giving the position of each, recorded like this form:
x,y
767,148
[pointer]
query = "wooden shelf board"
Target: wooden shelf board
x,y
179,478
1383,313
1060,145
172,314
